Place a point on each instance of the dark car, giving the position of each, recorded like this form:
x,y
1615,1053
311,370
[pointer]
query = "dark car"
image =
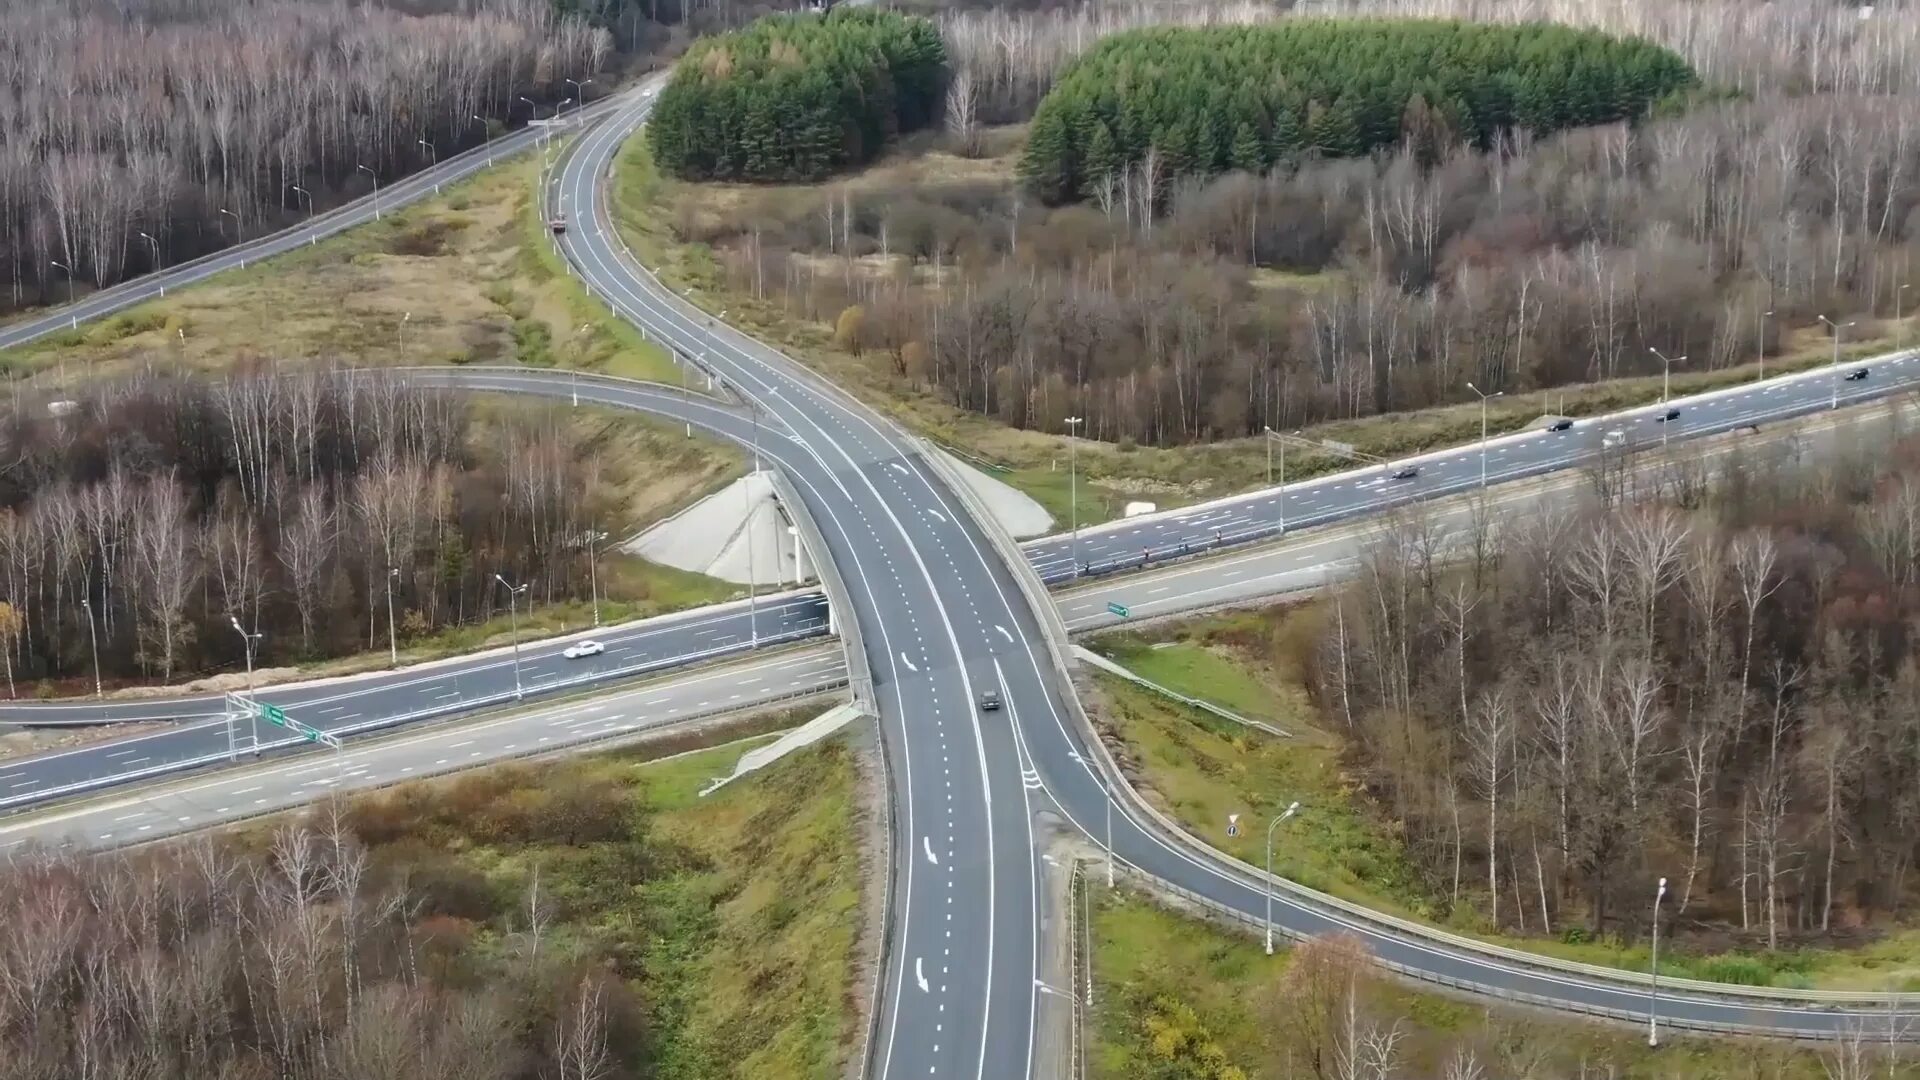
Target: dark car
x,y
1562,424
990,701
1670,414
1857,375
1406,472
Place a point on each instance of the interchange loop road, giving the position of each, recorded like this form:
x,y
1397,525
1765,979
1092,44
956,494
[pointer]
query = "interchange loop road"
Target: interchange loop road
x,y
943,620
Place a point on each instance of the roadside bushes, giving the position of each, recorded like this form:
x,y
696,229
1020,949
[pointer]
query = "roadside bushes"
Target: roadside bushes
x,y
796,97
1154,104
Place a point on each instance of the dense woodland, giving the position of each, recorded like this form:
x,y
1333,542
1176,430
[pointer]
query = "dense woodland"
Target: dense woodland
x,y
146,514
142,133
1196,102
798,97
1169,312
334,949
1714,678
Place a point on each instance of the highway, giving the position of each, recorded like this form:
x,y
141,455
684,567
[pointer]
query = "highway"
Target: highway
x,y
410,188
941,618
285,782
937,579
1130,543
371,702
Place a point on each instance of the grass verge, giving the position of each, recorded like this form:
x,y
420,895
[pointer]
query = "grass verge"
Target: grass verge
x,y
1175,996
1199,769
731,918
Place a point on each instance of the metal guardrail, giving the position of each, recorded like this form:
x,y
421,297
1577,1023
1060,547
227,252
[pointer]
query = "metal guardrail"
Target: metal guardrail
x,y
1114,667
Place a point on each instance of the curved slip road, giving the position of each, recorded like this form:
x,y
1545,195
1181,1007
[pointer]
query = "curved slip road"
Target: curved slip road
x,y
928,591
937,580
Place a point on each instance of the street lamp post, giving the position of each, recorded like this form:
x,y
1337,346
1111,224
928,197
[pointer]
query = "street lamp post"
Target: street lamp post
x,y
579,92
1109,840
1666,370
393,642
93,637
1073,486
1484,398
298,190
1653,984
1898,295
148,237
1760,341
376,188
405,318
513,615
69,271
253,715
1833,372
488,130
239,229
433,156
1268,883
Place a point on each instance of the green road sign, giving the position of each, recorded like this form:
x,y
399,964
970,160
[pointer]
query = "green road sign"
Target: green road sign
x,y
1117,609
274,714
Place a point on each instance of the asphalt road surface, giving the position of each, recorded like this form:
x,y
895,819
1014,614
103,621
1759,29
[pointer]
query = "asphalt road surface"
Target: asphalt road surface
x,y
387,699
286,782
942,620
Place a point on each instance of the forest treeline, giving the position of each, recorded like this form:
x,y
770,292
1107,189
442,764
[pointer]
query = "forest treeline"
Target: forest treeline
x,y
145,132
1174,312
142,516
798,97
328,949
1711,675
1187,101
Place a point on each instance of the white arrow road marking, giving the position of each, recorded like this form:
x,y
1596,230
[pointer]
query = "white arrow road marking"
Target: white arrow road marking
x,y
937,514
927,842
909,663
901,469
1004,634
919,976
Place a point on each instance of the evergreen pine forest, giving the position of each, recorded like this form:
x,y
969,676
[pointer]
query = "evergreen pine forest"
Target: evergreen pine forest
x,y
798,97
1210,99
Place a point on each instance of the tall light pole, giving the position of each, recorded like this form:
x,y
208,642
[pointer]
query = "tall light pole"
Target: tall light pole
x,y
239,230
579,91
405,318
1653,984
69,271
376,188
248,640
393,642
513,614
1833,373
1073,486
1484,398
433,156
93,636
1760,339
593,575
487,130
298,190
1666,370
148,237
1898,294
1268,883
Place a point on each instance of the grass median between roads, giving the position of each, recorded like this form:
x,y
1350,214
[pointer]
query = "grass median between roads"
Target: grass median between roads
x,y
1176,996
1200,769
730,919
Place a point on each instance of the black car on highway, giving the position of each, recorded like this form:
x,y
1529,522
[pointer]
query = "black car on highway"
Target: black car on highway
x,y
1670,414
1562,424
1857,375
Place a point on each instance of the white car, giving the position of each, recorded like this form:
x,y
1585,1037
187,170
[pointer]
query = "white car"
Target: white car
x,y
583,648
